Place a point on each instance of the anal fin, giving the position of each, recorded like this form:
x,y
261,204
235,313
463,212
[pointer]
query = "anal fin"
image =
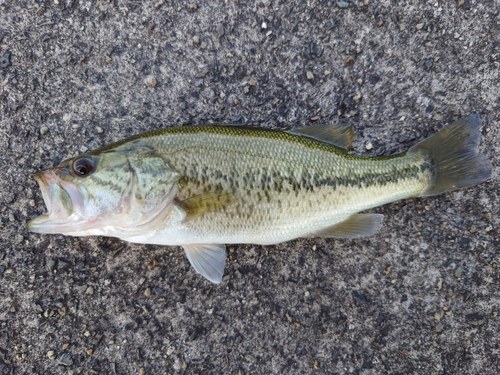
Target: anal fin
x,y
356,226
208,260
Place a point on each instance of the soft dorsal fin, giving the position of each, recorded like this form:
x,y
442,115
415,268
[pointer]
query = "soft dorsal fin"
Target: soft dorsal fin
x,y
208,260
204,203
356,226
340,135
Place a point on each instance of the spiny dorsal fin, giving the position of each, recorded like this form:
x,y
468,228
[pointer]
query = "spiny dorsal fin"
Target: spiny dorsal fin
x,y
208,260
356,226
201,204
340,135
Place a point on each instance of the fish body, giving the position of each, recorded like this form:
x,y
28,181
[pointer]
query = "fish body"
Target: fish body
x,y
201,187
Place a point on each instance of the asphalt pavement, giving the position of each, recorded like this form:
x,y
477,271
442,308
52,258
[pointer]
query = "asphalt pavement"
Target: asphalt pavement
x,y
422,296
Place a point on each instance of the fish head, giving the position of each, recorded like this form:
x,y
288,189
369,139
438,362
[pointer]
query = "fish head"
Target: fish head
x,y
105,193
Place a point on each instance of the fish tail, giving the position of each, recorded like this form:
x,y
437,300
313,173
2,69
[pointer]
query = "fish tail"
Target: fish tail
x,y
454,160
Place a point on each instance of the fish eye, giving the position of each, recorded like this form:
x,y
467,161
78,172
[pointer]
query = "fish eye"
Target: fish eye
x,y
83,166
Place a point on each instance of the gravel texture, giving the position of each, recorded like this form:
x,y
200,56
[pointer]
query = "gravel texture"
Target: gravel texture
x,y
420,297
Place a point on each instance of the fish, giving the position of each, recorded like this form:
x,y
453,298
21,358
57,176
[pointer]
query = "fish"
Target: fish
x,y
204,186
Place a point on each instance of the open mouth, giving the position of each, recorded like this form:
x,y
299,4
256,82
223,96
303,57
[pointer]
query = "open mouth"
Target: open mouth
x,y
58,202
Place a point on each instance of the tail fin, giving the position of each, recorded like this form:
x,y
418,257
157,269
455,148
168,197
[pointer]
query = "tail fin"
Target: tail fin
x,y
455,162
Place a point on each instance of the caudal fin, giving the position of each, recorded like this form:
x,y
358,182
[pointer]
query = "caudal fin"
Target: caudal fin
x,y
455,162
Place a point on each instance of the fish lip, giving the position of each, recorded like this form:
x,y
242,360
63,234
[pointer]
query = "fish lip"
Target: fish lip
x,y
43,184
58,215
38,224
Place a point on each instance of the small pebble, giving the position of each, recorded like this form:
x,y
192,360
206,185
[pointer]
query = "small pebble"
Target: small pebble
x,y
202,73
349,61
89,351
51,354
90,290
196,39
51,264
437,117
327,72
263,26
342,4
439,328
475,319
65,360
220,31
420,26
5,60
153,264
170,350
81,288
309,75
44,130
458,272
97,338
369,146
99,130
252,82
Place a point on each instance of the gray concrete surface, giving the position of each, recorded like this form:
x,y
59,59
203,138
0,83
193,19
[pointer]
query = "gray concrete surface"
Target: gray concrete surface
x,y
420,297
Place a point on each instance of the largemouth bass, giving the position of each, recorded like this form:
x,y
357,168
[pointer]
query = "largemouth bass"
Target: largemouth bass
x,y
201,187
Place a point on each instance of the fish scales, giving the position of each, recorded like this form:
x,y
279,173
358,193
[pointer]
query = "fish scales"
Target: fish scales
x,y
204,186
278,177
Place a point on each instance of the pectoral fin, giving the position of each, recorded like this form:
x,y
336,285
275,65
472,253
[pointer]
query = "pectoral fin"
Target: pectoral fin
x,y
340,135
356,226
207,259
205,203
